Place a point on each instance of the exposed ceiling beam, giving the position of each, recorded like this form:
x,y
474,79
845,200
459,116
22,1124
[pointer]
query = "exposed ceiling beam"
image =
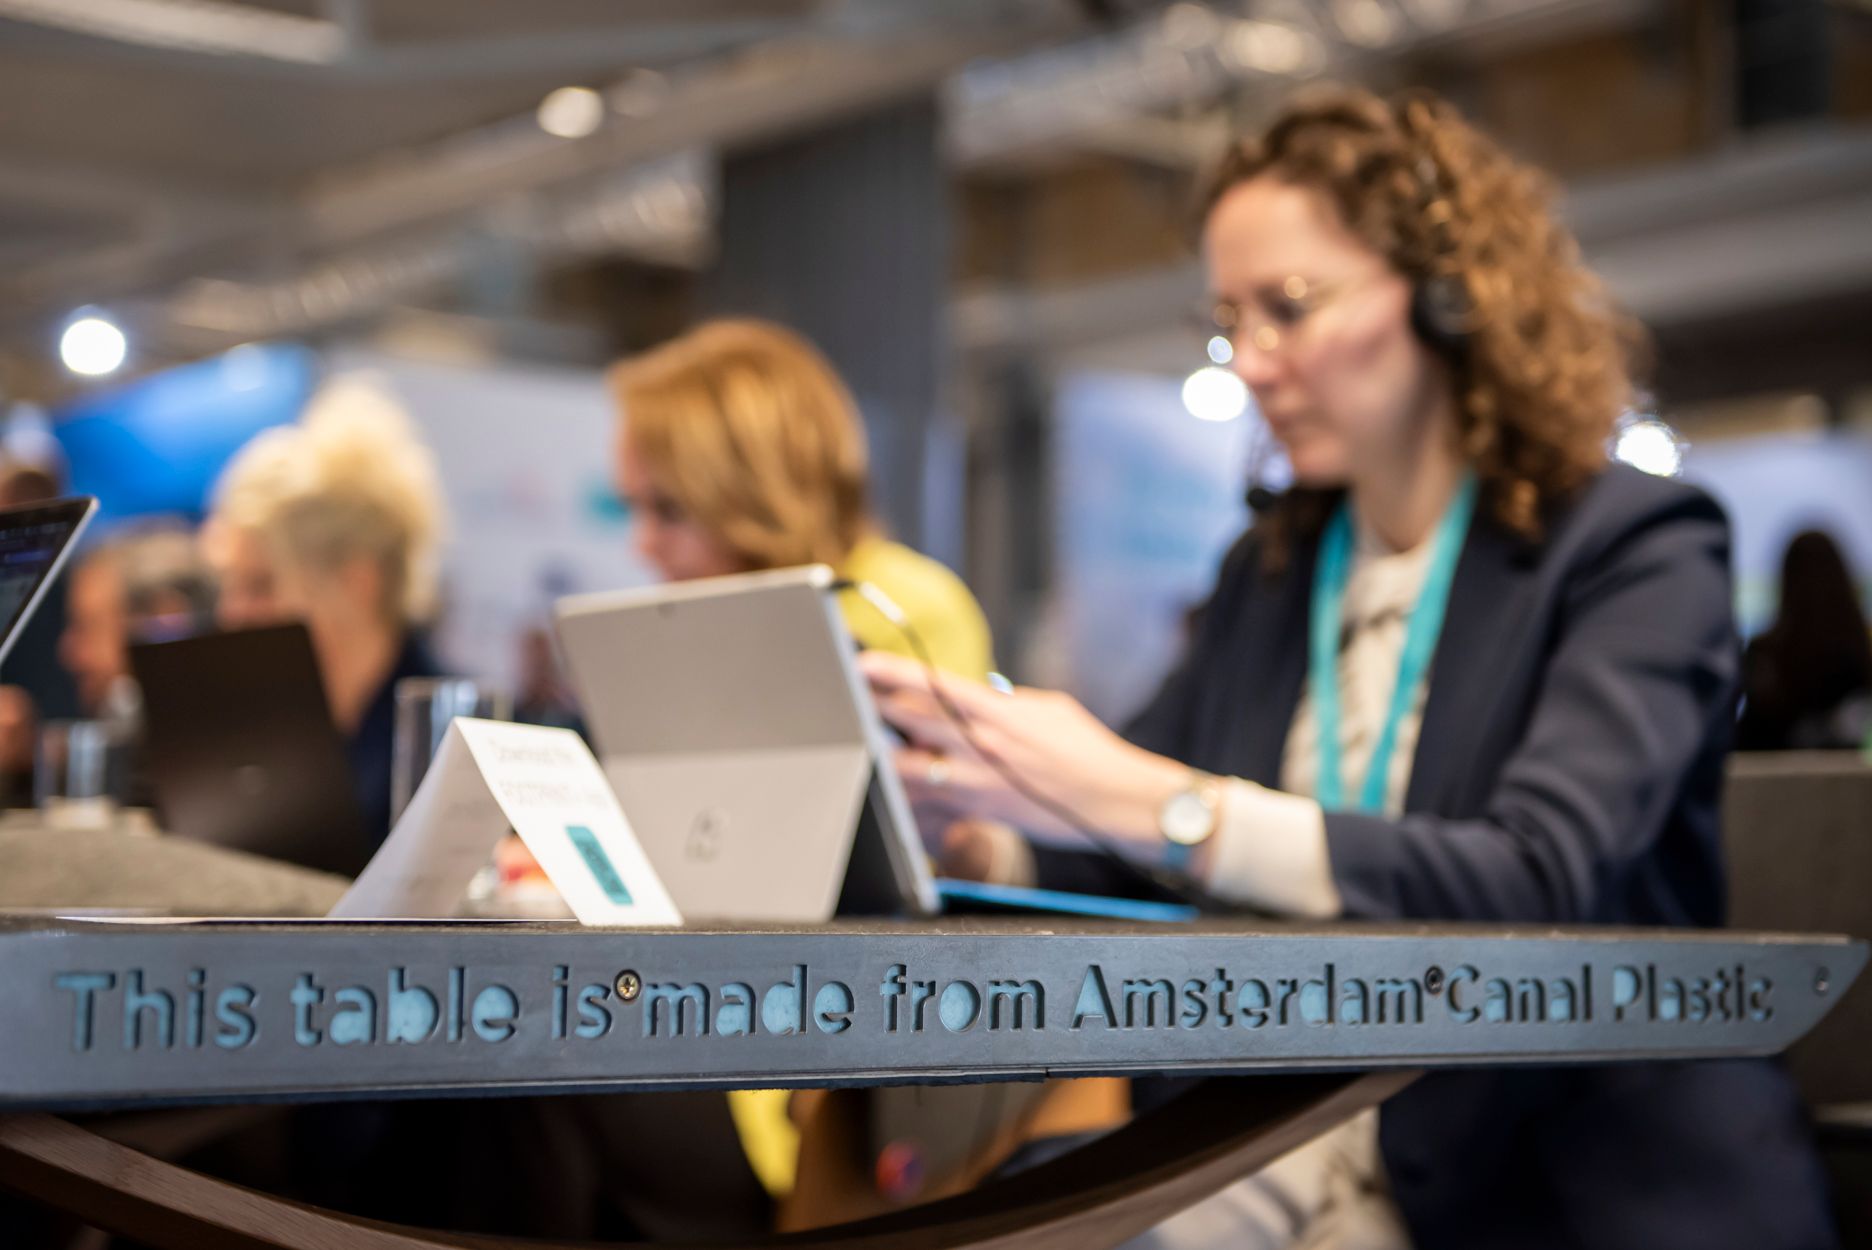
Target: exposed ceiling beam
x,y
1099,93
88,188
1751,228
341,46
782,87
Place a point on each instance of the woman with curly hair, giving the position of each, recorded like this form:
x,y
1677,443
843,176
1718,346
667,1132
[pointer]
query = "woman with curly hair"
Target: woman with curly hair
x,y
1466,670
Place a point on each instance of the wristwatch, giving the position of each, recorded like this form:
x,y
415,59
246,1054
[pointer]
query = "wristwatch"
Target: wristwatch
x,y
1189,818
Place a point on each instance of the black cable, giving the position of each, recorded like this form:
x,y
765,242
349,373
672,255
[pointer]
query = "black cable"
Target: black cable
x,y
1177,885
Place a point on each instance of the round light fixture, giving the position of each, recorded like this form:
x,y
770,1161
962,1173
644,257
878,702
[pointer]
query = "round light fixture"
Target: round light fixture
x,y
1649,444
92,346
1213,394
571,112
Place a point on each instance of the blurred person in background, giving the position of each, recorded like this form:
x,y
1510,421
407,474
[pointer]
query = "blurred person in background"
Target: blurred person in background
x,y
26,483
1465,670
1807,679
145,583
334,521
742,450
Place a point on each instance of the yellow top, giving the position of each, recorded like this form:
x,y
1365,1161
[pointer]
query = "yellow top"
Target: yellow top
x,y
937,604
951,626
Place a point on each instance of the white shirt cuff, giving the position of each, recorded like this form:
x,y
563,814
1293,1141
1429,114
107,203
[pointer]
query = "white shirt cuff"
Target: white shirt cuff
x,y
1270,852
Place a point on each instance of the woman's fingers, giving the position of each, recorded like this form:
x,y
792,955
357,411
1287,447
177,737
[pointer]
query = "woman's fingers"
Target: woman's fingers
x,y
893,674
938,779
925,723
890,672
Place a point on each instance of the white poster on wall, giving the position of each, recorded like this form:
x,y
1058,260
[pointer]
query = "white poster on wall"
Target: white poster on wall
x,y
1148,499
525,455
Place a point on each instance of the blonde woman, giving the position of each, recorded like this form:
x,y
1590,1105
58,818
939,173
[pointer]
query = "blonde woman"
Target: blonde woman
x,y
742,450
334,521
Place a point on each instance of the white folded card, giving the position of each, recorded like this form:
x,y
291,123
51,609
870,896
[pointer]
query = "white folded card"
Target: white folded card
x,y
544,783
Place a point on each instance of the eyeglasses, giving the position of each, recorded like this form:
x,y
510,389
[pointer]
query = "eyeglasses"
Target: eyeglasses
x,y
658,507
1276,314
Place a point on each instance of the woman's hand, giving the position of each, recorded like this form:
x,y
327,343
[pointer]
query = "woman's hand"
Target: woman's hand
x,y
1048,741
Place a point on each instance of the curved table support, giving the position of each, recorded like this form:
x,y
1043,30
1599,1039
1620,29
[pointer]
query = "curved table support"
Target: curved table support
x,y
1094,1197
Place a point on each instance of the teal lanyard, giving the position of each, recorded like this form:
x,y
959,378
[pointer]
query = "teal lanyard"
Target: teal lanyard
x,y
1420,640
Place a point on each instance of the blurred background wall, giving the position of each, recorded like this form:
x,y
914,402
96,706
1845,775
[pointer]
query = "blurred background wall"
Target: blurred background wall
x,y
980,208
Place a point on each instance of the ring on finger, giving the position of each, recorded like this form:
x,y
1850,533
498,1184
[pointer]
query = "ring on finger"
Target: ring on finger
x,y
937,774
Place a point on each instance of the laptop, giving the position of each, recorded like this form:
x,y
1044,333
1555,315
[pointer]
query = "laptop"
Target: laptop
x,y
241,751
730,717
35,541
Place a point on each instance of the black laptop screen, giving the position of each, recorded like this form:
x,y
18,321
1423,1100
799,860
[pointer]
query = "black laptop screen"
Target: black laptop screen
x,y
32,541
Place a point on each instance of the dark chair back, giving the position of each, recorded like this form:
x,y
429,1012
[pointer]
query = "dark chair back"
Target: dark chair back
x,y
1797,827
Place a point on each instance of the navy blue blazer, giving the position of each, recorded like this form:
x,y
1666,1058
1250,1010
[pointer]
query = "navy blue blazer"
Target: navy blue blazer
x,y
1568,771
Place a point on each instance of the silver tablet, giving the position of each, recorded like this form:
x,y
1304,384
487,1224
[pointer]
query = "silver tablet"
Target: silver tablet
x,y
731,718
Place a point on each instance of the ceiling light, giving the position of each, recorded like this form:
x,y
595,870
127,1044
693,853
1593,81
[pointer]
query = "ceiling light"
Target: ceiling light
x,y
1213,394
1651,445
92,346
571,112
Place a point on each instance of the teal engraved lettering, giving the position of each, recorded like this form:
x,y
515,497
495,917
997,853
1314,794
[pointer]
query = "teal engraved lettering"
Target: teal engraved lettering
x,y
891,991
1563,999
832,1007
496,1014
960,1006
1195,1006
1252,1002
1285,989
84,1007
1670,998
679,999
354,1018
306,994
1016,996
195,1008
1316,998
1759,1008
1530,999
783,1006
594,1016
1094,1000
1463,975
735,1016
233,1009
1224,989
1697,1004
1149,993
157,1002
1627,989
920,992
457,996
1354,1001
413,1014
1399,1000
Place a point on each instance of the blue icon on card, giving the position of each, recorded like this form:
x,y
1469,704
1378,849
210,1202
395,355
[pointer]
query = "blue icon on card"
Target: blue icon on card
x,y
600,864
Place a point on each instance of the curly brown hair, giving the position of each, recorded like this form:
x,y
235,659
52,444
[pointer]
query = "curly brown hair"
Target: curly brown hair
x,y
1545,362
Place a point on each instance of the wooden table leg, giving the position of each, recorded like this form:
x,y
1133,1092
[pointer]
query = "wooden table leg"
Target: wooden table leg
x,y
1095,1197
